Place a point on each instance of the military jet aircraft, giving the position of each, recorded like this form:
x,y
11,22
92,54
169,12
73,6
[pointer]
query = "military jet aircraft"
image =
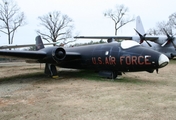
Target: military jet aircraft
x,y
107,58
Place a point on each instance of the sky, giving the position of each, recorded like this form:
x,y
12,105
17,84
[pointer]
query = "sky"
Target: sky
x,y
88,18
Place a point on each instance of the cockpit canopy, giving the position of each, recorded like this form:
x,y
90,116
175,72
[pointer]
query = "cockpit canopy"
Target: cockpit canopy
x,y
125,44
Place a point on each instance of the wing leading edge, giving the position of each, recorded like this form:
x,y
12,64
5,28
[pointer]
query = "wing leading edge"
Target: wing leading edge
x,y
22,54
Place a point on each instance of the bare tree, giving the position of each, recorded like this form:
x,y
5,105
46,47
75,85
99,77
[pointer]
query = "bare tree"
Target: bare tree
x,y
172,20
58,27
169,26
154,31
159,29
119,16
10,18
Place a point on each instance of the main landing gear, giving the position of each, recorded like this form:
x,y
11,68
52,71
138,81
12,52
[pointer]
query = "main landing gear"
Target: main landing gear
x,y
109,74
51,70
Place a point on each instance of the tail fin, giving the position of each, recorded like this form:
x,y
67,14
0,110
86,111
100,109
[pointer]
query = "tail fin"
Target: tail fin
x,y
139,26
39,43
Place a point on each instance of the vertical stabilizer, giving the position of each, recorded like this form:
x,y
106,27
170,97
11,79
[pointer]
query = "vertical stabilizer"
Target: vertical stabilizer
x,y
139,25
39,43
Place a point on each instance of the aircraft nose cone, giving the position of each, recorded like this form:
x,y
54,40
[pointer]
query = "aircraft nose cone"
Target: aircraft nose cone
x,y
163,61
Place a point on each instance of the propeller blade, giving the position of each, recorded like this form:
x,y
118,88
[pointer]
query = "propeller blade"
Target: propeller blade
x,y
166,33
164,43
141,37
138,33
173,44
148,43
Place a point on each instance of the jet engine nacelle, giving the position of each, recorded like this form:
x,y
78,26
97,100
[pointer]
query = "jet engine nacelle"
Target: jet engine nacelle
x,y
53,54
58,54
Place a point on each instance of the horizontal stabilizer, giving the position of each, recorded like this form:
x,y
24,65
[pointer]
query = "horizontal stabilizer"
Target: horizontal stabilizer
x,y
24,45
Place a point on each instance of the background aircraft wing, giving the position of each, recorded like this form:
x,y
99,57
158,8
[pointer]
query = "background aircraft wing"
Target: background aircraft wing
x,y
105,37
151,38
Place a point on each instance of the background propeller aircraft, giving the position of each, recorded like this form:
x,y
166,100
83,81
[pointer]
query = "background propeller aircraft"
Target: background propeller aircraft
x,y
164,44
161,40
107,58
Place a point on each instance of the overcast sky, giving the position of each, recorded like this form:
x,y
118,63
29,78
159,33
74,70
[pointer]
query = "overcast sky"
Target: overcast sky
x,y
88,16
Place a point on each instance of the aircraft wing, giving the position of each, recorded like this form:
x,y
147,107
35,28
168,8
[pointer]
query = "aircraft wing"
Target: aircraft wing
x,y
18,46
22,54
151,38
37,56
105,37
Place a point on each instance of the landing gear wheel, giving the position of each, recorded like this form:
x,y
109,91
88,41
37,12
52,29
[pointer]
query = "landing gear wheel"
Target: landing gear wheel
x,y
114,75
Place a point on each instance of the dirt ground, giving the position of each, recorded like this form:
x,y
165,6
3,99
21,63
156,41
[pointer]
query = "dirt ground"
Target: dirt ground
x,y
26,93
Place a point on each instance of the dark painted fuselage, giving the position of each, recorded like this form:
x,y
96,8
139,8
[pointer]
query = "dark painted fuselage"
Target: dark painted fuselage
x,y
112,57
